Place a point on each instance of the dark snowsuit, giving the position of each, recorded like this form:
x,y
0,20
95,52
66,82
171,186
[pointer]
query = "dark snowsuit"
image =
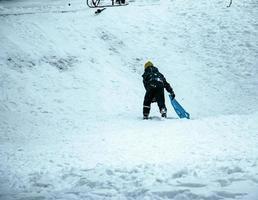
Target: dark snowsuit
x,y
154,83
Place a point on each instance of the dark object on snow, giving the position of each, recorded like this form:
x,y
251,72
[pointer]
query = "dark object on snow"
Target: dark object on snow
x,y
118,1
154,83
99,10
180,111
230,3
97,4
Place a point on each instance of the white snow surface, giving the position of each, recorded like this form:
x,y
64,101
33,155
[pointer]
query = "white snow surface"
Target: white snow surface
x,y
71,98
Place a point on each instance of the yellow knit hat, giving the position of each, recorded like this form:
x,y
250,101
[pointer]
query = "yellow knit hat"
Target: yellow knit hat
x,y
148,64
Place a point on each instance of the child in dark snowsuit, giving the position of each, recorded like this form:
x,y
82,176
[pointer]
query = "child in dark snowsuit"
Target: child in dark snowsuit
x,y
154,83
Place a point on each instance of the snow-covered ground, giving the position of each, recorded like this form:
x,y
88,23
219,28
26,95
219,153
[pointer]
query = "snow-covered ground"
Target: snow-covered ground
x,y
71,100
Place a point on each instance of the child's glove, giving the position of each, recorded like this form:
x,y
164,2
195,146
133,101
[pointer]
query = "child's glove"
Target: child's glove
x,y
172,95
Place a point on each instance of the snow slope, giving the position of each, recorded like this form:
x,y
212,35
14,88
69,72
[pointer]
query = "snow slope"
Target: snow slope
x,y
71,100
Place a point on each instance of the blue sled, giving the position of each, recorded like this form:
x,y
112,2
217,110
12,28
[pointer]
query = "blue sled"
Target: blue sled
x,y
180,111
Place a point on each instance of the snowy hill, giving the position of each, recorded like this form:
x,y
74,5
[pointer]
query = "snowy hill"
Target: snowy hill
x,y
71,100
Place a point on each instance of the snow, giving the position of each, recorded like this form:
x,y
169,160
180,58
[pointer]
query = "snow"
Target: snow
x,y
71,101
